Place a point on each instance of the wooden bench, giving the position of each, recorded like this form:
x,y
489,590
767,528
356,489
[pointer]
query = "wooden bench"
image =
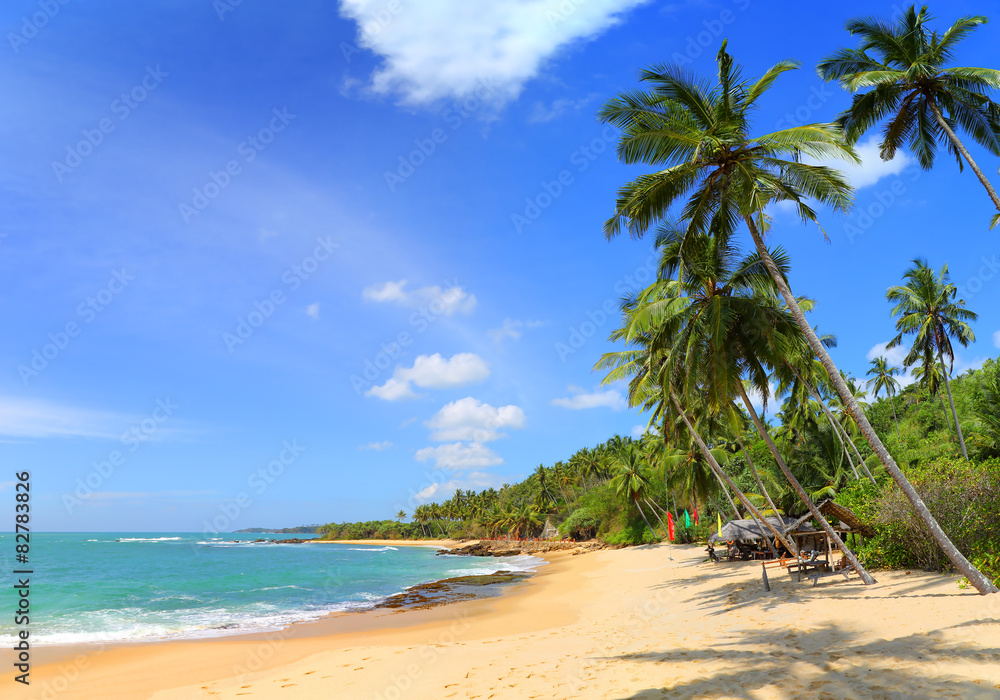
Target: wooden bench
x,y
845,572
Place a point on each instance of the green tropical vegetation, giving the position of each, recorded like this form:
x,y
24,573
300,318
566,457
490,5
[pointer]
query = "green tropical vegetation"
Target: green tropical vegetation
x,y
719,335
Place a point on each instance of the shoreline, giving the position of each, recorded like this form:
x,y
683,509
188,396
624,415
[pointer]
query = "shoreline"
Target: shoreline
x,y
642,622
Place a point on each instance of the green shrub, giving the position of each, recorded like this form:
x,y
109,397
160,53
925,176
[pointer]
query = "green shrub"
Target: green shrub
x,y
582,524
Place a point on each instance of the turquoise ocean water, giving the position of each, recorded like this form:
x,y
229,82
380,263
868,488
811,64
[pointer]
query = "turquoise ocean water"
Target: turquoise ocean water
x,y
148,586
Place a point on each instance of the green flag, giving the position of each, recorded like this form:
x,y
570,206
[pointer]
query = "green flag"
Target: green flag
x,y
687,519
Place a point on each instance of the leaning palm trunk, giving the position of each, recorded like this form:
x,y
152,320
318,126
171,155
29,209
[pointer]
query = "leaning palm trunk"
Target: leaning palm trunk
x,y
965,153
636,501
981,583
834,425
813,510
756,477
666,533
951,400
720,473
894,418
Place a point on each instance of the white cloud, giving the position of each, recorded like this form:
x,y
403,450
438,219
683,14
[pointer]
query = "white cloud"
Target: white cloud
x,y
460,455
454,49
377,446
872,167
996,339
581,399
312,311
436,300
638,431
757,400
469,419
476,481
432,372
541,113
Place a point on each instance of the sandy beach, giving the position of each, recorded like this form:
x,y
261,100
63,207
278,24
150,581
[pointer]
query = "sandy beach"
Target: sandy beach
x,y
645,622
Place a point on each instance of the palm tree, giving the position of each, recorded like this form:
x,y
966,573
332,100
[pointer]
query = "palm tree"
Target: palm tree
x,y
631,479
926,308
699,137
902,69
883,377
401,516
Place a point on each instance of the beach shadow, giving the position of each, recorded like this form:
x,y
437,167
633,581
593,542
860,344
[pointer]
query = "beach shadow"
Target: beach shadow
x,y
826,662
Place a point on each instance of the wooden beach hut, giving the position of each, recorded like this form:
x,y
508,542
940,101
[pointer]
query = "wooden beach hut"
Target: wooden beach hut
x,y
844,522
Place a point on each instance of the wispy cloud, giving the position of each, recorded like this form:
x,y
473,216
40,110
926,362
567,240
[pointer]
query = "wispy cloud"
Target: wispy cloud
x,y
582,399
541,112
34,418
377,446
438,300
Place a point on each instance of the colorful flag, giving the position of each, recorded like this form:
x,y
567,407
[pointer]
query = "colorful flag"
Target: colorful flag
x,y
695,516
719,517
670,527
687,519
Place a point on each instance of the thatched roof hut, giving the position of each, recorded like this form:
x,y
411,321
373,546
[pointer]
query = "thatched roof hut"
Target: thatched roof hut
x,y
752,531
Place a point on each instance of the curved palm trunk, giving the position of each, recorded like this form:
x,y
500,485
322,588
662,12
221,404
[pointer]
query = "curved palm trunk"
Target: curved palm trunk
x,y
728,497
720,473
636,501
965,153
981,583
756,477
951,400
895,420
666,533
813,510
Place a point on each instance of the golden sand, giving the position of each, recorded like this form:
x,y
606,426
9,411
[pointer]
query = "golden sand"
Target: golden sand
x,y
648,622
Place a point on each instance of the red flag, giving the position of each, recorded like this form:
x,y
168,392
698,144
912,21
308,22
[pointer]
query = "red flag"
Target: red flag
x,y
670,527
695,516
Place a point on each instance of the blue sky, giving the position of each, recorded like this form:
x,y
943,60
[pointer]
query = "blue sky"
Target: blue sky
x,y
358,245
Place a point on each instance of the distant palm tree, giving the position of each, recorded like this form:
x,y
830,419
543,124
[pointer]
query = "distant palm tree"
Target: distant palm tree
x,y
901,67
631,479
926,308
883,378
401,516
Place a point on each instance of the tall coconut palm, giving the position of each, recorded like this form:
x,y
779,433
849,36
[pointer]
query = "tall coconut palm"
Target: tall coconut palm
x,y
899,73
883,377
698,135
926,308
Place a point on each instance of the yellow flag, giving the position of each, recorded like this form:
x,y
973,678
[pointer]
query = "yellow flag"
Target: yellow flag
x,y
719,517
